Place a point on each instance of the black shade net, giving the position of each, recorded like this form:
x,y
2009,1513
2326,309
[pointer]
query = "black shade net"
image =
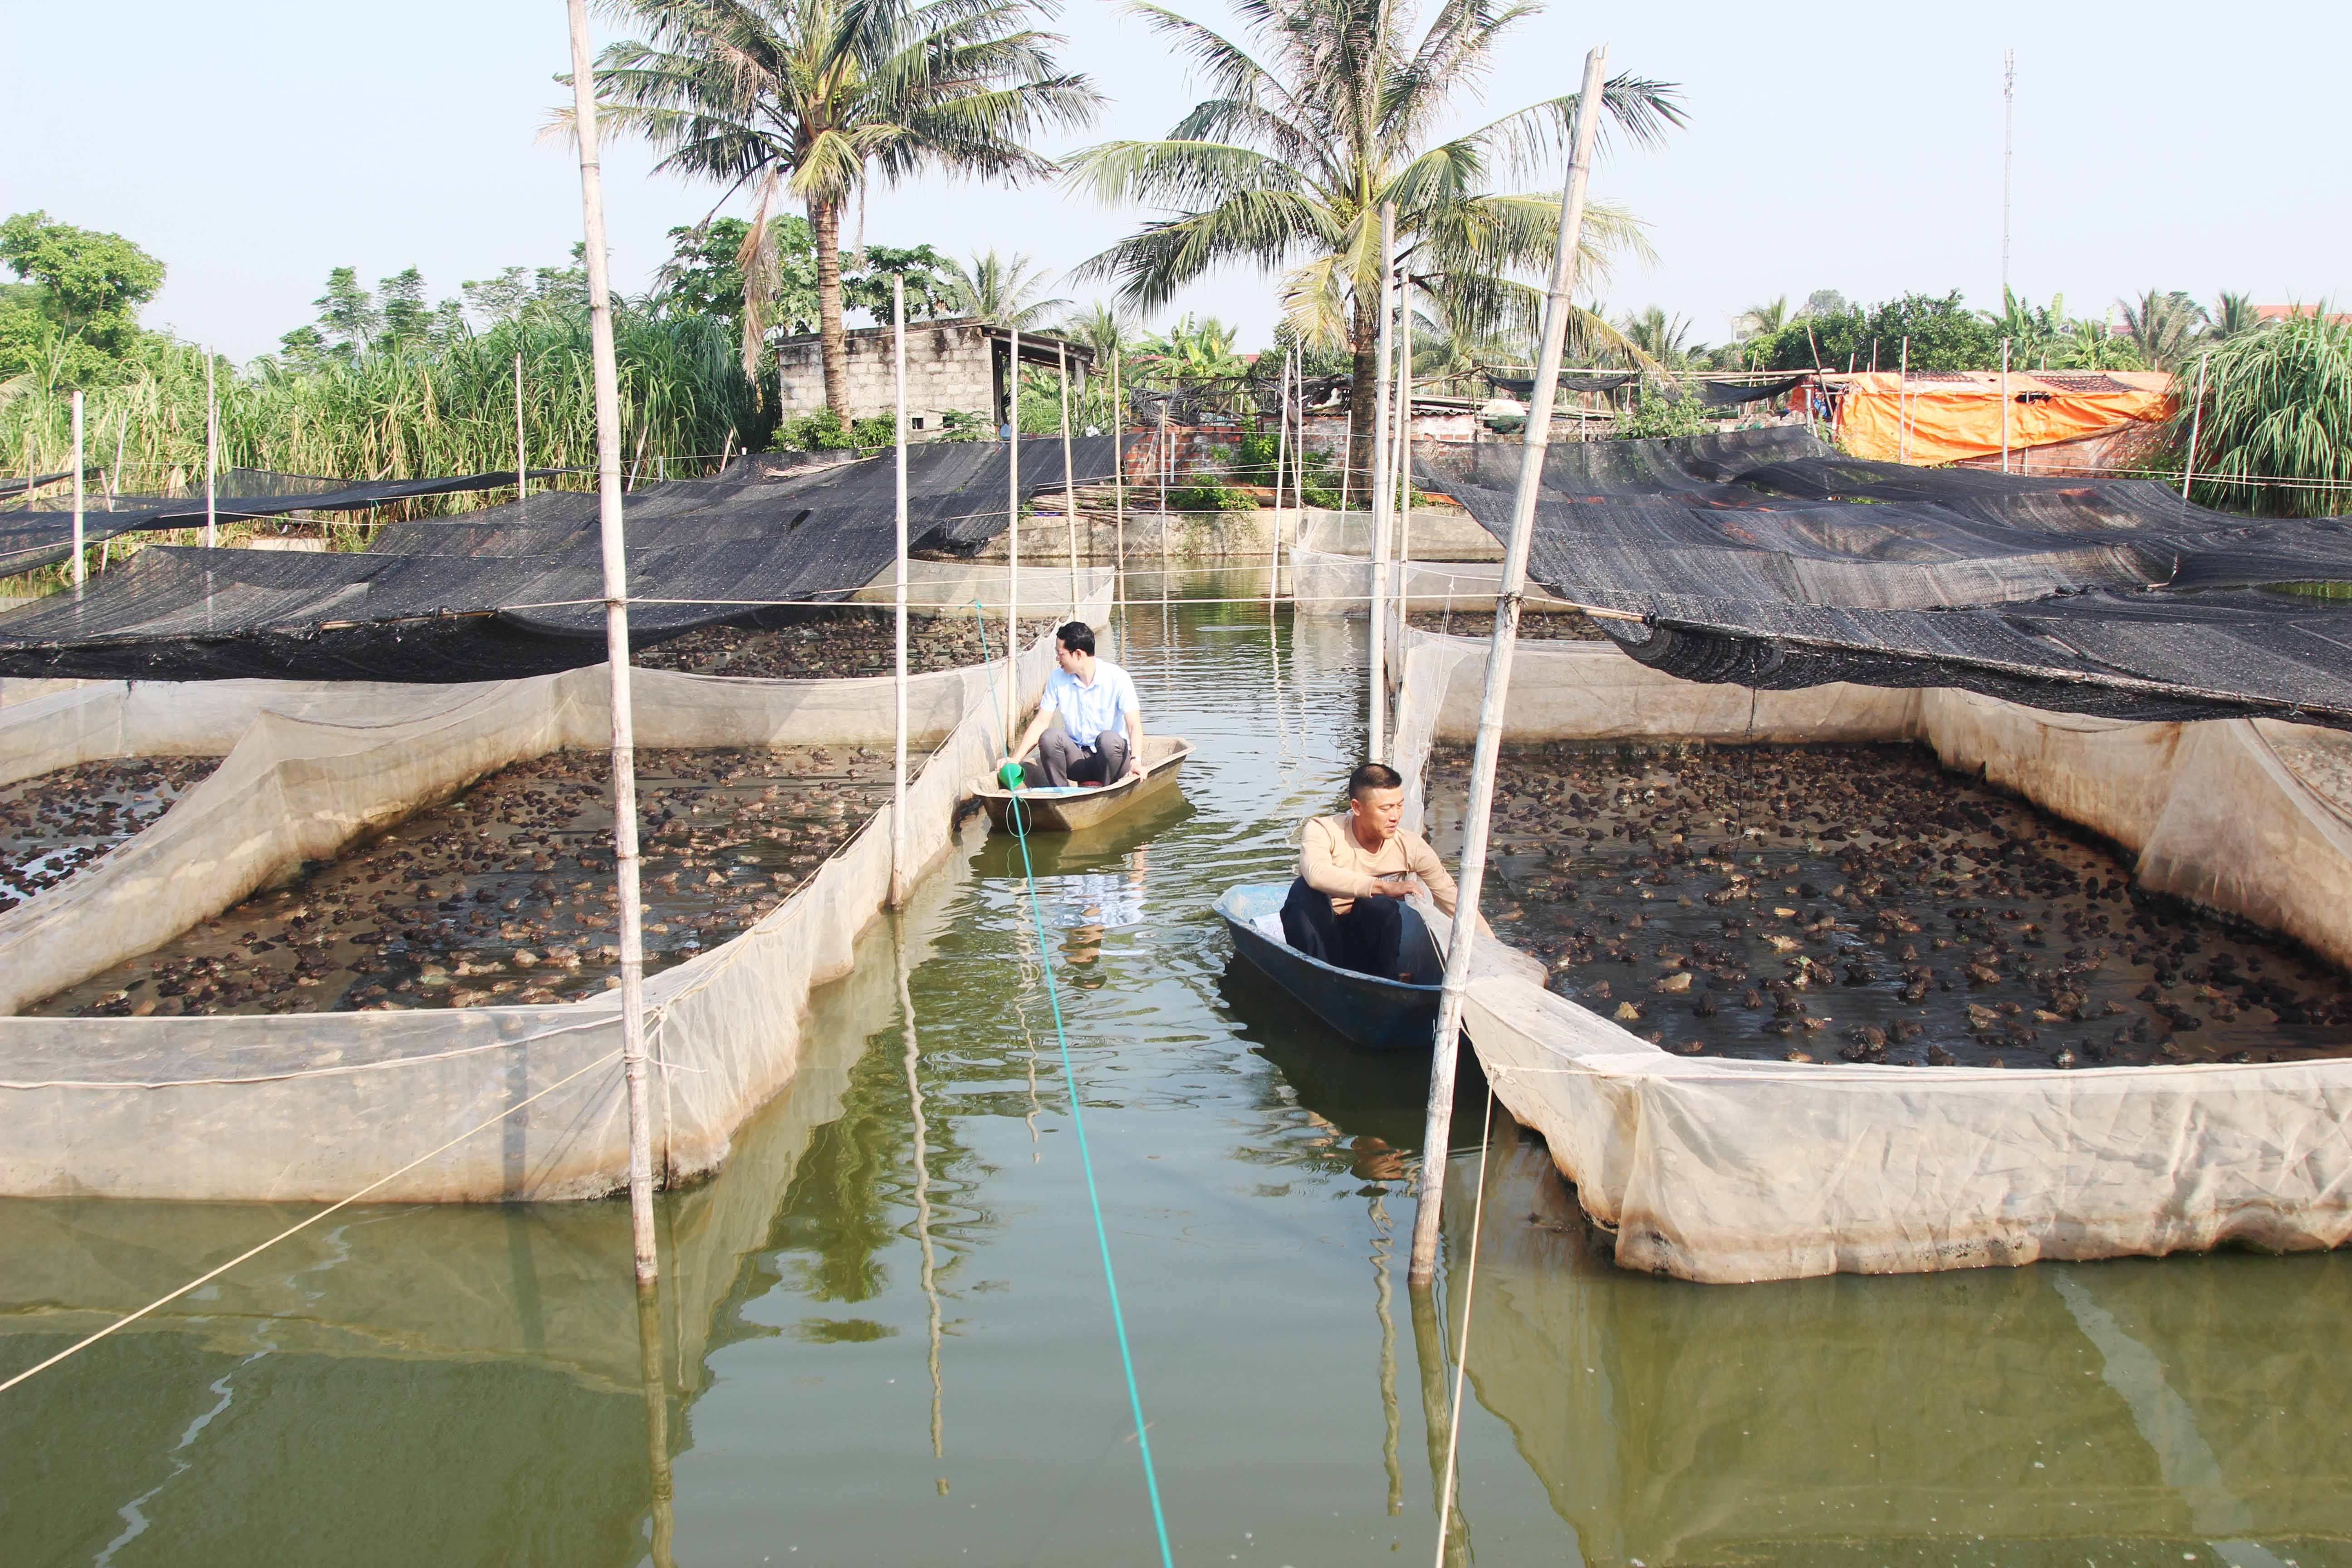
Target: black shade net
x,y
42,534
517,589
23,482
1522,387
1713,393
1766,559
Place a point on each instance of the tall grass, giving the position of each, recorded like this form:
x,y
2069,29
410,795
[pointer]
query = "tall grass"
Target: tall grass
x,y
2277,406
402,410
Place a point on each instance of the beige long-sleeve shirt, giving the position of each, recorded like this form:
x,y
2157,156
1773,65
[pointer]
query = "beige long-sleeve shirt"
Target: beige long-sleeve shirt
x,y
1334,861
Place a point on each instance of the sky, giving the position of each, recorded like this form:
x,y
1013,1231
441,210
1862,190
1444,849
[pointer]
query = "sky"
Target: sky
x,y
1856,147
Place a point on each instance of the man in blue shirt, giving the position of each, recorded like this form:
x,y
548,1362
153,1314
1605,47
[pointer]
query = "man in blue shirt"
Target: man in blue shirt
x,y
1089,727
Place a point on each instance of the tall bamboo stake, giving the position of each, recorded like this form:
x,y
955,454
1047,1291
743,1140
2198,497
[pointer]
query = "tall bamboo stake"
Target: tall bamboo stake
x,y
1903,403
1013,521
1118,503
522,468
2004,406
1443,1061
900,872
77,491
616,647
2195,414
1405,454
1281,453
1381,496
1167,467
212,457
1069,470
658,1465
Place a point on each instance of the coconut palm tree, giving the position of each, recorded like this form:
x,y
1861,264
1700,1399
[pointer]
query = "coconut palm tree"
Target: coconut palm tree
x,y
1658,340
2230,315
1102,327
814,101
1000,292
1757,320
2161,325
1287,164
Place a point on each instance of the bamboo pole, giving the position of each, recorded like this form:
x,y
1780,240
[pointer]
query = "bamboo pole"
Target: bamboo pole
x,y
1069,470
1118,503
114,474
1405,454
1013,556
616,647
658,1467
522,468
1444,1059
2004,406
2196,415
901,873
1903,404
77,567
1381,495
1281,456
912,1061
1167,466
212,457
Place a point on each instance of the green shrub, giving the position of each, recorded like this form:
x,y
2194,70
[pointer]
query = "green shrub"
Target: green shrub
x,y
1211,496
822,431
1653,415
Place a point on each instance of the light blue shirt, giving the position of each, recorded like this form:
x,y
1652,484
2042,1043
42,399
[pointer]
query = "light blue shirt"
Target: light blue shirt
x,y
1088,709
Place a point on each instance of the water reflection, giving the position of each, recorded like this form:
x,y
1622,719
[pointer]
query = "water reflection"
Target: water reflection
x,y
2117,1412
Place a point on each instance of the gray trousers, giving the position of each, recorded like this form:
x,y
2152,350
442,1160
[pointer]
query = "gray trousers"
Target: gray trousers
x,y
1062,760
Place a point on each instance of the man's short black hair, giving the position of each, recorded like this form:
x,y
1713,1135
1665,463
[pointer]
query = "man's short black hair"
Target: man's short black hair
x,y
1373,776
1078,637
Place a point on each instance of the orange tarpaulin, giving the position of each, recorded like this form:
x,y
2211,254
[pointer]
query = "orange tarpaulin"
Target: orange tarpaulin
x,y
1955,414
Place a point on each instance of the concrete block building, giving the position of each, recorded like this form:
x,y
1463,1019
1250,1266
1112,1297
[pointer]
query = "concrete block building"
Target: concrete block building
x,y
955,366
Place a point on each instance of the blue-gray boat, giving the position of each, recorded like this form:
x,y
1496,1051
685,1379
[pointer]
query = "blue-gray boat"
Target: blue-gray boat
x,y
1379,1014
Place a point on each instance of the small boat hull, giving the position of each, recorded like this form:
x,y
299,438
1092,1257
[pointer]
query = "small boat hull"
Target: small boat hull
x,y
1077,807
1376,1013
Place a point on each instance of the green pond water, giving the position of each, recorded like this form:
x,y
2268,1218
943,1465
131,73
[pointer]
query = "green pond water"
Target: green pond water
x,y
882,1334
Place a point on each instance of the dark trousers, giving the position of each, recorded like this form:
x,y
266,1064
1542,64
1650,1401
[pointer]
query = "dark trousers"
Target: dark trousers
x,y
1062,760
1377,936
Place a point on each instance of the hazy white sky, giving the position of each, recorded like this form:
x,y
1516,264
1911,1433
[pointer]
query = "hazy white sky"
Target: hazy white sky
x,y
1841,145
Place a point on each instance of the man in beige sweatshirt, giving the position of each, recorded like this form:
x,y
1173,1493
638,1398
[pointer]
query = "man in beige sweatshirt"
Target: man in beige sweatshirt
x,y
1355,868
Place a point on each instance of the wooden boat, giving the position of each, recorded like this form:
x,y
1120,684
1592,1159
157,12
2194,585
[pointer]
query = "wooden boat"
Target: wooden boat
x,y
1068,808
1379,1014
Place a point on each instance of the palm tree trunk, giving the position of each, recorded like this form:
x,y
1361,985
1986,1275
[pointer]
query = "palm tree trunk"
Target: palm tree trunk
x,y
824,218
1363,395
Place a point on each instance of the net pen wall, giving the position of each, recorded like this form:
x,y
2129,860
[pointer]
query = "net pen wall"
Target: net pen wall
x,y
313,1107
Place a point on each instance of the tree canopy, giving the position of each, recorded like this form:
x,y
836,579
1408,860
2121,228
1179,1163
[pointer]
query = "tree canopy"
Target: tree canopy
x,y
76,312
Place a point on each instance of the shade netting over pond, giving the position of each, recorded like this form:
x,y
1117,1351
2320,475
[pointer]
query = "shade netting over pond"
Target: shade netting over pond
x,y
1766,558
42,534
517,589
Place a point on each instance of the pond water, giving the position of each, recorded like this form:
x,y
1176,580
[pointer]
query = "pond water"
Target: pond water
x,y
882,1333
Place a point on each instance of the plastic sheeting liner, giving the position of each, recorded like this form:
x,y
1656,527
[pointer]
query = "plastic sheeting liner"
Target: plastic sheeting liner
x,y
1957,414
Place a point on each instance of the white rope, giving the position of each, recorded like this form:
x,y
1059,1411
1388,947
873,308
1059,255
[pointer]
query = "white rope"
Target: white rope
x,y
85,1343
1462,1346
